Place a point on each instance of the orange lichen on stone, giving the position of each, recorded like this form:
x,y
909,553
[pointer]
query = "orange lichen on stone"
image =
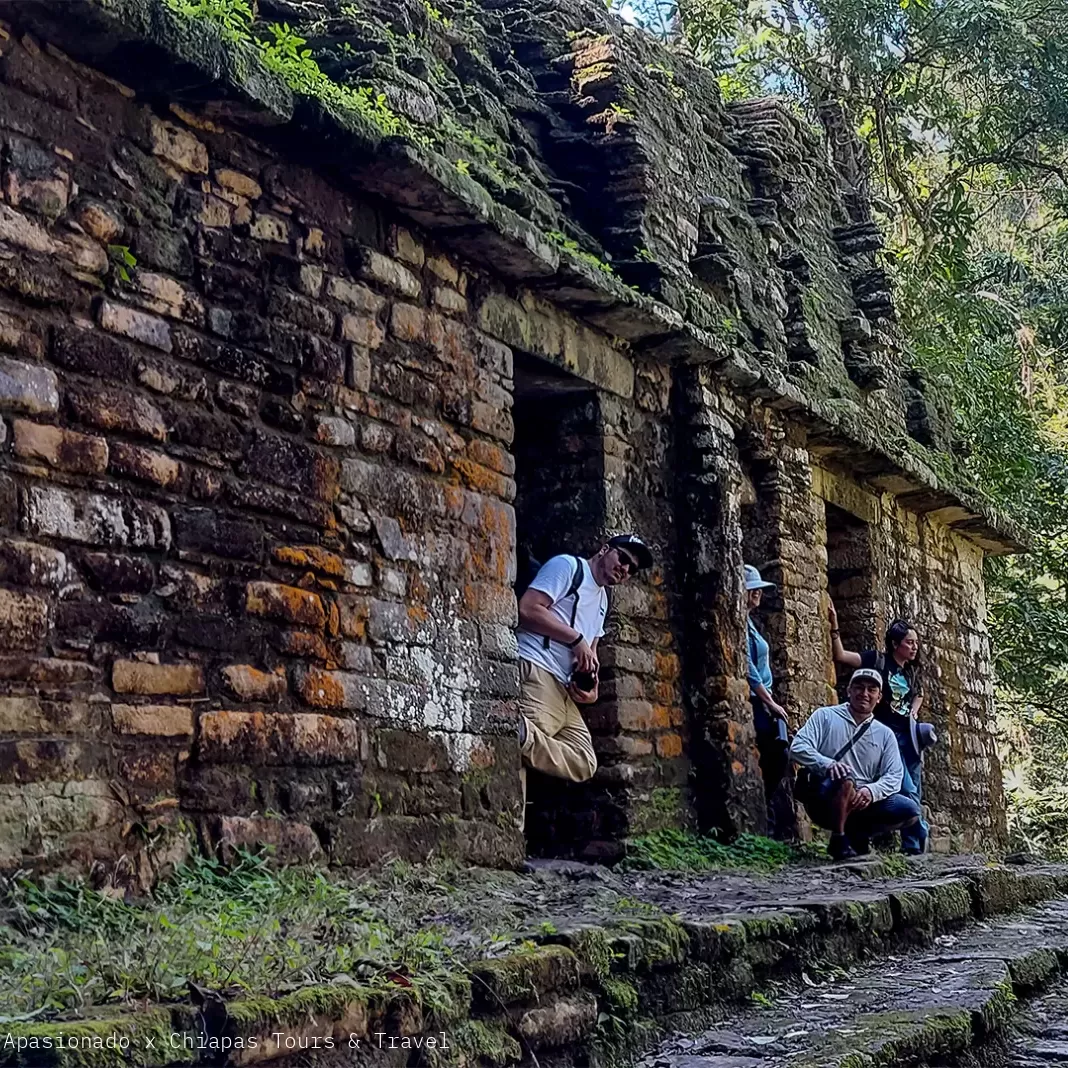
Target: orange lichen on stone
x,y
313,556
287,603
669,745
303,644
668,666
320,689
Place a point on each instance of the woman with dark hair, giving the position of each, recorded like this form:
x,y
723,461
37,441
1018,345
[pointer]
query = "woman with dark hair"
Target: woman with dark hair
x,y
901,669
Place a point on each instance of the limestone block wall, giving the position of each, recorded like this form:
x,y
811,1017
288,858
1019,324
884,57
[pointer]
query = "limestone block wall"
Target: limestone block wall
x,y
256,534
930,575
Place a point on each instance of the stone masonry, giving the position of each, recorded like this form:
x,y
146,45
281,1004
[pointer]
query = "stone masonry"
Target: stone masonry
x,y
279,398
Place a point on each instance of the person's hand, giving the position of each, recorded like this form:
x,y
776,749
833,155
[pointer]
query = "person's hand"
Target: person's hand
x,y
584,697
839,771
860,800
832,614
585,658
777,710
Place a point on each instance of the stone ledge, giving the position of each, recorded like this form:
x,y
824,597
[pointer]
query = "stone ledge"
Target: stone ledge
x,y
647,974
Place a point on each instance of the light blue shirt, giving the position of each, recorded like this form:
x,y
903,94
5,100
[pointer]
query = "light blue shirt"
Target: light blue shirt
x,y
759,666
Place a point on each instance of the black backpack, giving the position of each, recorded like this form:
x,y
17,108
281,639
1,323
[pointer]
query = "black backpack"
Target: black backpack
x,y
527,568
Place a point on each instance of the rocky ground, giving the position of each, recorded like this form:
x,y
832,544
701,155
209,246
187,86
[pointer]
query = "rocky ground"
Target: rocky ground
x,y
1041,1038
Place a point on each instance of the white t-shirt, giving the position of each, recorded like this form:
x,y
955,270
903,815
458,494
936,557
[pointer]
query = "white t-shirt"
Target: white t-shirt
x,y
554,579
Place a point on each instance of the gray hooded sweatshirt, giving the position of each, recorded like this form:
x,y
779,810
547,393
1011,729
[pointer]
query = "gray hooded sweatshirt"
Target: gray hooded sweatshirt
x,y
875,759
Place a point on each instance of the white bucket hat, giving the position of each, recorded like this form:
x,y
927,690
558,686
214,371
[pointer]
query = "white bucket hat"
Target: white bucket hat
x,y
753,581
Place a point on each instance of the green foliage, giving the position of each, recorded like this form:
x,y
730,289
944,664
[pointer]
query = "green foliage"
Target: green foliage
x,y
576,250
122,260
247,928
283,52
677,850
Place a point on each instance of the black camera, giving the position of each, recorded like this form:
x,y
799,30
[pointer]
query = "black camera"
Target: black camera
x,y
584,680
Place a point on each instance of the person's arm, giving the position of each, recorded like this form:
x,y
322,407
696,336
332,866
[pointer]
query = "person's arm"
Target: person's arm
x,y
761,691
917,702
838,651
536,615
893,772
804,749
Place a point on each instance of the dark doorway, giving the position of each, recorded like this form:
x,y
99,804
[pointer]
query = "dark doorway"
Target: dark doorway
x,y
851,582
560,508
760,546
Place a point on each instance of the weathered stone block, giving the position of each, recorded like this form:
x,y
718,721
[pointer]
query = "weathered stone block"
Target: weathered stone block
x,y
137,677
331,689
113,573
24,563
240,184
25,387
362,330
247,683
66,450
136,325
178,147
286,603
23,620
146,465
291,842
206,530
165,721
114,409
93,519
276,738
355,295
389,273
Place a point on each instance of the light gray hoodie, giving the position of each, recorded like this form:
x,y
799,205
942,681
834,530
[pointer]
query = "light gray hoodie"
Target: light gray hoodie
x,y
875,759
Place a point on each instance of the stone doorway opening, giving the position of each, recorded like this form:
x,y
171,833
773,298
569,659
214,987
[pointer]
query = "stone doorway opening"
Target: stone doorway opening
x,y
560,508
760,526
851,582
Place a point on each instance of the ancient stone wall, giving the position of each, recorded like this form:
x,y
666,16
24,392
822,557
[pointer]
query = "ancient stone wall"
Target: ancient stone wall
x,y
258,540
259,385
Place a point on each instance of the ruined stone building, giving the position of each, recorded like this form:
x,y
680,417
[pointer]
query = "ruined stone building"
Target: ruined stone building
x,y
287,374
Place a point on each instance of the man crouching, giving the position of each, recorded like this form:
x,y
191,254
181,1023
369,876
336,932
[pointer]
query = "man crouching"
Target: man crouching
x,y
851,775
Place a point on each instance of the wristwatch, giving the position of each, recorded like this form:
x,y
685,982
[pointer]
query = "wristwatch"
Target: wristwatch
x,y
571,645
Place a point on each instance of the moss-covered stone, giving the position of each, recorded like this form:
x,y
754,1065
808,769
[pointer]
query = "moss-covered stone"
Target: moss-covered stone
x,y
477,1043
524,976
139,1041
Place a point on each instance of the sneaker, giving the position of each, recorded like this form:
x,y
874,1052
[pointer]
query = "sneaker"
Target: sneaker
x,y
840,847
861,846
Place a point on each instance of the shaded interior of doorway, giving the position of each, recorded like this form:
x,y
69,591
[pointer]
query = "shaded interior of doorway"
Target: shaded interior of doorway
x,y
560,508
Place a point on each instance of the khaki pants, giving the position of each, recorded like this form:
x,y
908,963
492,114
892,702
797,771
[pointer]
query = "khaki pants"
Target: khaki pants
x,y
558,740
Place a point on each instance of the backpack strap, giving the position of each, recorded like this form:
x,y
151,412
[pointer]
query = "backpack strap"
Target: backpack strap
x,y
857,735
572,591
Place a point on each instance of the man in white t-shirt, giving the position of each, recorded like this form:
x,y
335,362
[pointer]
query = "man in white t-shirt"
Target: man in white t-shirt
x,y
561,620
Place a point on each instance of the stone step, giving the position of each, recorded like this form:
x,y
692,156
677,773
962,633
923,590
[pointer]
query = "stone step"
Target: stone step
x,y
905,1008
1040,1037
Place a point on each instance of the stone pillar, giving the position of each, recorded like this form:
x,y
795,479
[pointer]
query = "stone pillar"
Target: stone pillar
x,y
729,793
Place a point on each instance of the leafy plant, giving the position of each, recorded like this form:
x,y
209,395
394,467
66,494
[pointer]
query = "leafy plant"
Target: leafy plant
x,y
122,260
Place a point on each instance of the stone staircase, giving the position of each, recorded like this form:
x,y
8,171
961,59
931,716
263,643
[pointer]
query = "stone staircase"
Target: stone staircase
x,y
854,966
955,998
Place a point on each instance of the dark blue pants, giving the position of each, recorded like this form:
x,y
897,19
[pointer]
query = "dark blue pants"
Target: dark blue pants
x,y
914,838
894,813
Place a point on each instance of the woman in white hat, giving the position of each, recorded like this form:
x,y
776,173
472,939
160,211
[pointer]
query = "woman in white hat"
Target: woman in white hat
x,y
769,717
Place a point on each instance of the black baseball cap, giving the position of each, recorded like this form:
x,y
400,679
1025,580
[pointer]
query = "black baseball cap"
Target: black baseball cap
x,y
635,546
